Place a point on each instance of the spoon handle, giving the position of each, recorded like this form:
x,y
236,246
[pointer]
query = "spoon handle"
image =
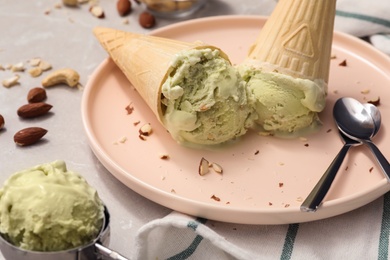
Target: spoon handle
x,y
384,164
318,193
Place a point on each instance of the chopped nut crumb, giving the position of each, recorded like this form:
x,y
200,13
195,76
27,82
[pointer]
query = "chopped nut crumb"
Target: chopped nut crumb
x,y
281,184
136,123
123,140
329,130
173,191
34,62
307,145
44,65
343,63
215,198
146,129
299,199
371,169
129,108
365,91
203,167
333,57
164,156
270,204
375,102
142,137
35,72
257,152
11,81
217,168
19,67
287,205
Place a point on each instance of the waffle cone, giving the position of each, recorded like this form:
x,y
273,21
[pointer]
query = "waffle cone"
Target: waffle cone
x,y
296,39
145,60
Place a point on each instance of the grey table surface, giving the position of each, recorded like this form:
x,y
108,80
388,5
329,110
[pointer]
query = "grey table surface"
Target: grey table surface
x,y
63,36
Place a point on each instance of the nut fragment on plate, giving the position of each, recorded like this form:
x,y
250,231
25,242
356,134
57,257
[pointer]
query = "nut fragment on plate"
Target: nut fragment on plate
x,y
215,198
217,168
29,136
66,76
12,81
146,130
164,156
203,167
36,95
375,102
32,110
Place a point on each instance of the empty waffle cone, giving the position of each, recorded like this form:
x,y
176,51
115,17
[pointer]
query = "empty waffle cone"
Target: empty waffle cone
x,y
296,39
145,60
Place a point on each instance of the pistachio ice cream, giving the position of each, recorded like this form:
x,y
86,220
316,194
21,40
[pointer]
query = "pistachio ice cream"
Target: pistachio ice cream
x,y
48,208
204,99
284,104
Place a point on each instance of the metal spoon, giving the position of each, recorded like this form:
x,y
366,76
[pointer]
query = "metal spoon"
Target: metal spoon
x,y
353,119
318,193
322,187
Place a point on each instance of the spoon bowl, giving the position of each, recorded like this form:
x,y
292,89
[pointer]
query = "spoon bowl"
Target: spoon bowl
x,y
361,122
353,119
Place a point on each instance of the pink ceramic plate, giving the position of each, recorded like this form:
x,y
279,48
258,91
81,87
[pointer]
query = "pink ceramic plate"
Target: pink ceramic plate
x,y
264,179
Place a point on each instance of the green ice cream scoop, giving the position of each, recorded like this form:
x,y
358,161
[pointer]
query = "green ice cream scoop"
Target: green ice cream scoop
x,y
205,99
285,105
48,208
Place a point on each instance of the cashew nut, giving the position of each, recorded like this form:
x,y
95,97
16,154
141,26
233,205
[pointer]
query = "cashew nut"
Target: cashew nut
x,y
11,81
62,76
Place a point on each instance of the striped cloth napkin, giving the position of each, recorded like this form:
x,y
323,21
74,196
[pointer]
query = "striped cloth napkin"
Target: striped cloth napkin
x,y
369,19
360,234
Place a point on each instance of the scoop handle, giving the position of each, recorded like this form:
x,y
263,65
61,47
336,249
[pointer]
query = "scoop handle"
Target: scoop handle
x,y
108,253
381,159
318,193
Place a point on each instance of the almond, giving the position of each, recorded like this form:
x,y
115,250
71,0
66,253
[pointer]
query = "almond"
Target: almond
x,y
217,168
2,122
147,20
203,167
28,136
36,95
34,110
123,7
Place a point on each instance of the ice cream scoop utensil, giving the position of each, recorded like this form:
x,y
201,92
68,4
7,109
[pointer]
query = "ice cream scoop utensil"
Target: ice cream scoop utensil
x,y
94,250
322,187
361,123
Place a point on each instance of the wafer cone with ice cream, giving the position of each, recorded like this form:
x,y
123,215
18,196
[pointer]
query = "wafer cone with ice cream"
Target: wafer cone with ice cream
x,y
145,60
296,39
